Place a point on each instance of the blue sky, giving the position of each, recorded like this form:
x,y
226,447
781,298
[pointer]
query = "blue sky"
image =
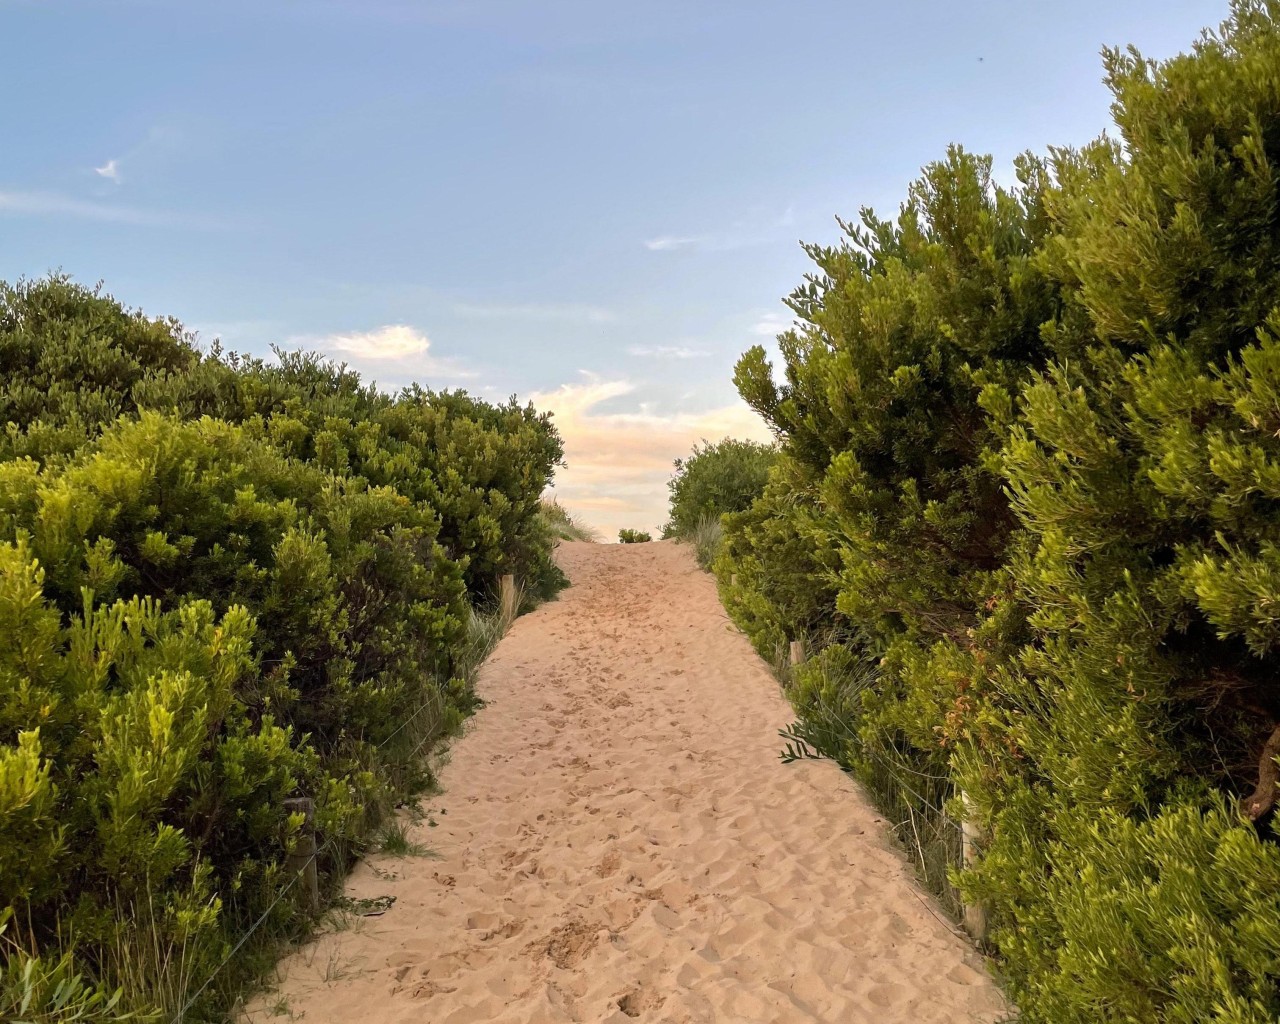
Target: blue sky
x,y
593,204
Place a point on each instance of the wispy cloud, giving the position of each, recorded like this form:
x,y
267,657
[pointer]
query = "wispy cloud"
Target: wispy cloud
x,y
536,311
110,170
758,227
403,349
619,462
666,243
770,325
160,144
666,352
55,204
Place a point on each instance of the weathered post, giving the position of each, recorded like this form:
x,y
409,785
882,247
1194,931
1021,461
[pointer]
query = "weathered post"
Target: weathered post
x,y
302,858
733,579
507,596
975,917
797,653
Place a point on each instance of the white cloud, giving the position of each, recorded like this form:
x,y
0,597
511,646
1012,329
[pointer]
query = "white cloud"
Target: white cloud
x,y
403,350
54,204
159,146
619,462
110,170
666,243
770,325
537,311
395,341
666,352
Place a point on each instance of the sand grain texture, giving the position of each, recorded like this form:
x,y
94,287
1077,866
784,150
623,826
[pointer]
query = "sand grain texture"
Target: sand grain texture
x,y
618,841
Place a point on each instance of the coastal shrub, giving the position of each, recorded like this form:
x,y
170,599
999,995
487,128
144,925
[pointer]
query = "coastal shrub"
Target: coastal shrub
x,y
887,488
1139,468
726,476
481,467
633,537
70,359
776,570
224,583
1027,450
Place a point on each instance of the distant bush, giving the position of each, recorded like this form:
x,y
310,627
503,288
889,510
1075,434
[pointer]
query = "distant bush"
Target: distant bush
x,y
223,583
716,478
1025,508
633,537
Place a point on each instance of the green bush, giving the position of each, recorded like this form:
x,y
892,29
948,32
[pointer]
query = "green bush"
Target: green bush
x,y
1139,468
776,569
480,467
225,584
1028,451
716,478
633,537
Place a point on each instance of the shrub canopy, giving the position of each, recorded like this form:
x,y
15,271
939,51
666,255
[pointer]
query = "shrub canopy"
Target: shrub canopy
x,y
726,476
1028,463
224,583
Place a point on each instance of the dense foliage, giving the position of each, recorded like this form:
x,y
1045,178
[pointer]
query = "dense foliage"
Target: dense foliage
x,y
633,537
223,583
726,476
1027,505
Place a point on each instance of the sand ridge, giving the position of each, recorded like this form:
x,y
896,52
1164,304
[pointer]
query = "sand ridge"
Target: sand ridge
x,y
617,841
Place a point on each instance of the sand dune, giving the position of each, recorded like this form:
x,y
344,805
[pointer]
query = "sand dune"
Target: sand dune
x,y
617,840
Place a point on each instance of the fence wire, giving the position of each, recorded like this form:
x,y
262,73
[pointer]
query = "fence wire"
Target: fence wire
x,y
327,845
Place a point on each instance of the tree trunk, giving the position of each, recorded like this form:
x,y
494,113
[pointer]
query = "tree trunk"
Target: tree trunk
x,y
1263,798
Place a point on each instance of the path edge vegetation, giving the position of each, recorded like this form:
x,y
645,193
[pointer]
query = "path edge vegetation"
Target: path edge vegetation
x,y
1025,514
224,582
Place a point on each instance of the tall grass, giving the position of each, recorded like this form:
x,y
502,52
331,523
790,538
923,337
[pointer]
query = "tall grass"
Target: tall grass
x,y
30,986
706,537
565,525
827,693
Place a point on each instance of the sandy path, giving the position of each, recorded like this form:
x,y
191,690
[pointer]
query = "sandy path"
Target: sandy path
x,y
618,841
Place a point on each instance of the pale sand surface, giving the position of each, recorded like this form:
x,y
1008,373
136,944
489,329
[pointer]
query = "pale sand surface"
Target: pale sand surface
x,y
617,840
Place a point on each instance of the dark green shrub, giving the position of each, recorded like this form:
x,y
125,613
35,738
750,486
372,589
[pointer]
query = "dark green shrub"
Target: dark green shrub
x,y
1140,466
716,478
633,537
1028,449
481,467
70,359
258,591
888,490
776,570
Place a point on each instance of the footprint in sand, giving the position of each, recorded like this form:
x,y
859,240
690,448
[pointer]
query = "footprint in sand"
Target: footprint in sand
x,y
621,713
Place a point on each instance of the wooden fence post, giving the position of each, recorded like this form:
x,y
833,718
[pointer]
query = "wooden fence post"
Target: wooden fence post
x,y
975,917
797,653
302,858
507,596
733,579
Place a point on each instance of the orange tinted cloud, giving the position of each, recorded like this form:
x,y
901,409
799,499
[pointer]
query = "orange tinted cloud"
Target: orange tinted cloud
x,y
619,462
